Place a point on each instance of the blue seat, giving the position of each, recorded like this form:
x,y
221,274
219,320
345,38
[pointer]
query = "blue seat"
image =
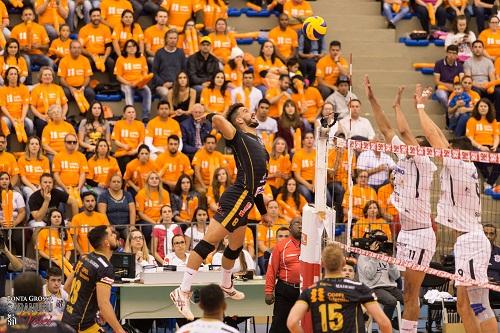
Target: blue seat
x,y
493,194
413,42
262,13
73,36
233,12
108,98
244,41
262,40
438,42
427,71
339,229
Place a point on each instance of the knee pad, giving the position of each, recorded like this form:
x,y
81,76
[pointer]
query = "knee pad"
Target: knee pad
x,y
480,303
232,254
203,249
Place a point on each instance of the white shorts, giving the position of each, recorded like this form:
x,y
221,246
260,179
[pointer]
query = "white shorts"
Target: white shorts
x,y
472,257
416,246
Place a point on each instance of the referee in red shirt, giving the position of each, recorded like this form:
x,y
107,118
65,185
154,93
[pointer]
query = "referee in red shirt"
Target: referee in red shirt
x,y
283,277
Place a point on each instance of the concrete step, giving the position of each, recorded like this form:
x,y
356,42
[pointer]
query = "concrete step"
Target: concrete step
x,y
398,77
365,62
386,90
248,24
338,20
407,105
368,35
373,49
363,8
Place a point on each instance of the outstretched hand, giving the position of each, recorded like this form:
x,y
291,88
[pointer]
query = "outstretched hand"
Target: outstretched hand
x,y
422,95
397,100
368,87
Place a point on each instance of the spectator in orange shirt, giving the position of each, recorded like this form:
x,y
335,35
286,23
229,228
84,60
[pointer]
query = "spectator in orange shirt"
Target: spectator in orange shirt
x,y
44,96
298,11
112,11
139,169
220,182
236,68
159,129
12,58
285,39
93,128
50,11
14,102
31,166
303,167
483,131
181,97
223,41
54,133
130,68
8,162
59,47
212,11
149,201
74,73
33,39
127,135
329,68
205,161
289,124
216,97
361,192
181,11
280,166
308,99
101,165
372,220
173,163
290,200
70,166
96,41
125,30
154,36
490,38
267,62
185,200
277,96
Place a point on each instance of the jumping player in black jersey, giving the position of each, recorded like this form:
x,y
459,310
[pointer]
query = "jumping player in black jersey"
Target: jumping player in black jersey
x,y
91,286
238,129
335,302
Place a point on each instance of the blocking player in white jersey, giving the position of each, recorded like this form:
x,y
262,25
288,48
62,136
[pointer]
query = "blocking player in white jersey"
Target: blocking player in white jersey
x,y
416,242
459,208
213,305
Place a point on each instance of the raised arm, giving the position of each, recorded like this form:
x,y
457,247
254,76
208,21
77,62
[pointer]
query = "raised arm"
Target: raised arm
x,y
431,131
403,127
220,123
378,114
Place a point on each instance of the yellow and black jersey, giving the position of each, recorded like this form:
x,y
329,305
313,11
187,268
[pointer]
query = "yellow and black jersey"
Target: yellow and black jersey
x,y
81,308
335,305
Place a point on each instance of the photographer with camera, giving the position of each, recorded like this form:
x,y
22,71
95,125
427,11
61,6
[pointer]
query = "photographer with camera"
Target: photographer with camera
x,y
379,275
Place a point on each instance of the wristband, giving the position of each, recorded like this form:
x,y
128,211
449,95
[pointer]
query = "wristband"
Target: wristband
x,y
210,116
420,106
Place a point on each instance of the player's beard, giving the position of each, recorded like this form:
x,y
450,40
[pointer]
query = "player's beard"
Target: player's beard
x,y
113,247
253,123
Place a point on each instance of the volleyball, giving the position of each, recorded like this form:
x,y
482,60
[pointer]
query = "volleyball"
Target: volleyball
x,y
314,27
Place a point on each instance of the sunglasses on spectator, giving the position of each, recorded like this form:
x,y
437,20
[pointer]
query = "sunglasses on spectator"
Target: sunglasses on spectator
x,y
71,142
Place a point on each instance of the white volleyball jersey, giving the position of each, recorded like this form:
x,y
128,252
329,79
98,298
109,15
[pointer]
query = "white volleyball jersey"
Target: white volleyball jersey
x,y
412,189
459,205
207,326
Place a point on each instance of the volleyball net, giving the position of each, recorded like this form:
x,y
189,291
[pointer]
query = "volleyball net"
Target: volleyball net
x,y
370,196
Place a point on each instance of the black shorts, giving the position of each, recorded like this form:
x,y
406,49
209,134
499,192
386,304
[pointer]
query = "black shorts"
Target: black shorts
x,y
234,205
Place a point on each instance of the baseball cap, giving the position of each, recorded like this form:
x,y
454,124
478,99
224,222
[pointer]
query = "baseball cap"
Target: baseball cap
x,y
343,79
205,39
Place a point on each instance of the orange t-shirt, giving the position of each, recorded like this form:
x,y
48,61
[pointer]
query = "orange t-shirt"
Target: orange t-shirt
x,y
303,163
3,11
80,226
263,65
267,235
53,134
208,163
288,208
50,15
276,108
74,71
33,169
44,95
363,225
8,163
212,12
15,99
111,10
491,41
70,167
138,172
342,172
131,134
303,9
313,101
213,100
360,196
155,37
482,131
328,70
384,200
123,34
99,169
29,34
222,45
285,41
179,11
18,63
49,241
59,47
160,130
94,40
151,206
235,76
131,68
173,167
281,164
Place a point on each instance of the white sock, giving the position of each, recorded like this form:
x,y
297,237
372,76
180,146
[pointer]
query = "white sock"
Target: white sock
x,y
187,279
408,326
227,281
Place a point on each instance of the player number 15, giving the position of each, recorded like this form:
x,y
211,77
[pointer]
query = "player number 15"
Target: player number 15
x,y
329,318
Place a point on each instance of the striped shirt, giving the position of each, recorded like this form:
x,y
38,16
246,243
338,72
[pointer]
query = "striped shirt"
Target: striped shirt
x,y
284,264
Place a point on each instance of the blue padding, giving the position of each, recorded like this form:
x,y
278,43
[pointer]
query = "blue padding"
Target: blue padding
x,y
262,13
233,12
427,71
438,42
108,98
261,40
244,10
244,41
339,229
43,273
402,39
73,36
412,42
496,196
35,68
